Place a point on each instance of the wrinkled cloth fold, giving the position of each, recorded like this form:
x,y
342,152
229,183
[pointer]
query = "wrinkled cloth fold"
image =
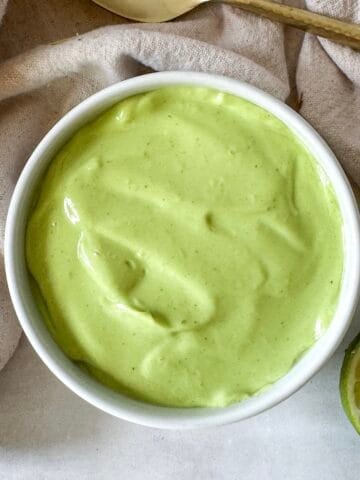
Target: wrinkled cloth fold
x,y
38,85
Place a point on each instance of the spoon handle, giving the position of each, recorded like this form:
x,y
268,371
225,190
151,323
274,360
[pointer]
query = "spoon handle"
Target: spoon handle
x,y
341,32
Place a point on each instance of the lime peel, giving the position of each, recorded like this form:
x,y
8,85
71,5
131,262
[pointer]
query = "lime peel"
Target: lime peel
x,y
350,383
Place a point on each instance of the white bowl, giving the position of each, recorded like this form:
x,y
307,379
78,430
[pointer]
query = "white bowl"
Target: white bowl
x,y
88,388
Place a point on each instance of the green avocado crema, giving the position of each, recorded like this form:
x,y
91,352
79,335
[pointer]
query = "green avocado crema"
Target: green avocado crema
x,y
185,248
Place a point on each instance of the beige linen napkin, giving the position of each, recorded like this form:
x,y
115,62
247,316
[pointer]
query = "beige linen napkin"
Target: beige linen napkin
x,y
328,80
38,86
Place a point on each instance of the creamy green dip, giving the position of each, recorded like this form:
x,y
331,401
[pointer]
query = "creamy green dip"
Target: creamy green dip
x,y
186,248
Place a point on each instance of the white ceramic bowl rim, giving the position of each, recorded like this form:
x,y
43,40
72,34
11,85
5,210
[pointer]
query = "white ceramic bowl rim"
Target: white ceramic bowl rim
x,y
88,388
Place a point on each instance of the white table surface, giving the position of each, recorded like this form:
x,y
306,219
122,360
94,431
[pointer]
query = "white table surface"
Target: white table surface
x,y
46,432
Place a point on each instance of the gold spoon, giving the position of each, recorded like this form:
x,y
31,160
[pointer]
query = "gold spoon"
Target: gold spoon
x,y
163,10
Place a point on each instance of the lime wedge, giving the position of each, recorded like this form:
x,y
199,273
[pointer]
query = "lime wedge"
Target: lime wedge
x,y
350,383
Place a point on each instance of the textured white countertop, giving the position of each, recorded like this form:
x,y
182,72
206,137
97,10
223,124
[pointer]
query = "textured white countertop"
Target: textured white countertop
x,y
46,432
